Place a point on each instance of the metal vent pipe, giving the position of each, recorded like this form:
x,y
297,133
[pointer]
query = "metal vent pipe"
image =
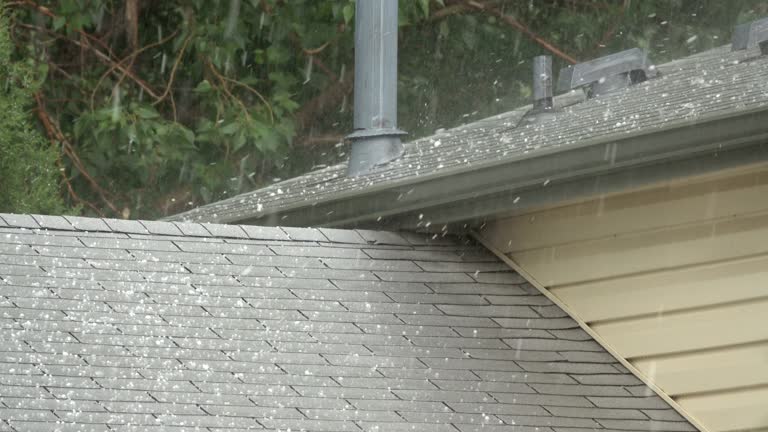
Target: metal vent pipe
x,y
542,84
376,138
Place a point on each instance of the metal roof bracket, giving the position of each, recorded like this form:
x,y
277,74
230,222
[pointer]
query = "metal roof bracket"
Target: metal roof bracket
x,y
750,35
607,74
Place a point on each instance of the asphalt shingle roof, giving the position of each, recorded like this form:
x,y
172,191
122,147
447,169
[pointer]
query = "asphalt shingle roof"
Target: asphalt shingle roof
x,y
132,326
696,88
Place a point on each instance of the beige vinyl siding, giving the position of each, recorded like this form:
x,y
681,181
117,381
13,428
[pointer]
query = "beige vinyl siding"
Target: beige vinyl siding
x,y
657,207
674,278
738,366
651,293
742,409
685,331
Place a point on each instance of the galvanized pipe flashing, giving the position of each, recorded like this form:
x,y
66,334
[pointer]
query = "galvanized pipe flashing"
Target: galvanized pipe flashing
x,y
376,139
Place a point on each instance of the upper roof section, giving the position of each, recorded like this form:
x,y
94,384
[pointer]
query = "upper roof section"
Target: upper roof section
x,y
713,103
110,325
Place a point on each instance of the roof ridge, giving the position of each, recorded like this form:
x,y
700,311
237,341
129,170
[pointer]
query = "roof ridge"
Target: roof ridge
x,y
210,230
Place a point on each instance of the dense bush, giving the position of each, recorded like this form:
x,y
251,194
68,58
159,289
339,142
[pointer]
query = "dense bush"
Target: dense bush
x,y
29,180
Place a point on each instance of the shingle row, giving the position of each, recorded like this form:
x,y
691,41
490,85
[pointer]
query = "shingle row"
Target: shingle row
x,y
207,230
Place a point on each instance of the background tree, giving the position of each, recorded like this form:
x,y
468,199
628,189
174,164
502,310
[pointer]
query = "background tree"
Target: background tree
x,y
29,180
157,106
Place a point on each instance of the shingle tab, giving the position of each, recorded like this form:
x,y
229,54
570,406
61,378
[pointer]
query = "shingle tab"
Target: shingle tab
x,y
653,424
192,229
666,414
264,233
320,252
126,226
175,329
19,220
162,228
219,230
54,222
305,234
342,236
369,264
88,224
383,237
492,407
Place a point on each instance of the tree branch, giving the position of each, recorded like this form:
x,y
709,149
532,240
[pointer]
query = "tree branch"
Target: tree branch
x,y
173,70
132,19
101,56
55,135
224,80
312,53
323,139
522,28
130,56
72,192
456,9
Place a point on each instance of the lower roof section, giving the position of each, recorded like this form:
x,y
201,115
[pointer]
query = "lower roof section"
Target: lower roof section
x,y
126,325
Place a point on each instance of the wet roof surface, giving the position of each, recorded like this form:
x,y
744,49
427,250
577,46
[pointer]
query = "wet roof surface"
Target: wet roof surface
x,y
127,325
695,88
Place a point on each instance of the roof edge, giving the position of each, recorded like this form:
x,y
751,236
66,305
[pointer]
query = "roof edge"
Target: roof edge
x,y
561,101
683,140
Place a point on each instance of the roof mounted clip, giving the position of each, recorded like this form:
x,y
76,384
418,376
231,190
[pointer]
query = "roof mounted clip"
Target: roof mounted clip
x,y
750,35
607,74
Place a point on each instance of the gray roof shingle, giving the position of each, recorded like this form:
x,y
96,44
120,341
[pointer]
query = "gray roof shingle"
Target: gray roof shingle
x,y
104,329
689,91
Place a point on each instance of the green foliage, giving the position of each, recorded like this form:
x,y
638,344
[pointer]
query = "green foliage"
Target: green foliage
x,y
28,176
216,97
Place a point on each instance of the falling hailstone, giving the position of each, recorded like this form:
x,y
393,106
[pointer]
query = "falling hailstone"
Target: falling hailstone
x,y
308,70
115,103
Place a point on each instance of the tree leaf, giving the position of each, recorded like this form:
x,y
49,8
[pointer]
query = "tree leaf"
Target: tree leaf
x,y
444,30
239,141
230,128
203,87
424,4
348,11
59,22
147,113
188,135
